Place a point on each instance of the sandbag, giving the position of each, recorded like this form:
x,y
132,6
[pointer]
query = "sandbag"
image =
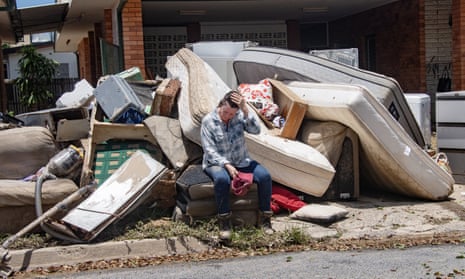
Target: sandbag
x,y
24,151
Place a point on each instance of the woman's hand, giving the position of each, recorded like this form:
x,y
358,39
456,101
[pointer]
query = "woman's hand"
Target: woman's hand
x,y
231,170
237,98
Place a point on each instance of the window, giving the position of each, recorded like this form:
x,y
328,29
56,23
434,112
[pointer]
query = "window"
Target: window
x,y
42,37
370,42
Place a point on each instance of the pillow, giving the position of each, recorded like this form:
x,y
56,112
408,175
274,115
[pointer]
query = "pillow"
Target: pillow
x,y
319,213
260,95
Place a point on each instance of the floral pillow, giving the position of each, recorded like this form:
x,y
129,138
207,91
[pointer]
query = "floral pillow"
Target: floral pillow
x,y
260,95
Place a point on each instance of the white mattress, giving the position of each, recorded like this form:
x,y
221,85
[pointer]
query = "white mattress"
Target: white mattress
x,y
291,163
256,63
389,156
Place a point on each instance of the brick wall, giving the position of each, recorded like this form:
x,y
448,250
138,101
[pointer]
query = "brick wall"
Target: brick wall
x,y
108,25
438,41
398,31
458,34
133,41
83,53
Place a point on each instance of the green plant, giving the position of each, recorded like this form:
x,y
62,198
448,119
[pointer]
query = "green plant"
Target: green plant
x,y
36,73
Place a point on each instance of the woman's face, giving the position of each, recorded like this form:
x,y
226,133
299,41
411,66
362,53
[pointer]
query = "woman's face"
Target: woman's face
x,y
226,112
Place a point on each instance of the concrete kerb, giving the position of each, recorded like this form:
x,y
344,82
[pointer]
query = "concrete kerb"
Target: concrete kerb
x,y
28,259
381,217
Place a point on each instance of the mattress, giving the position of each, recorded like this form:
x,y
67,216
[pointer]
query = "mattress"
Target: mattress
x,y
290,162
389,158
256,63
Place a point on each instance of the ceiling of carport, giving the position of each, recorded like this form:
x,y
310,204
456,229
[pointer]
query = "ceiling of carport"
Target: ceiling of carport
x,y
168,12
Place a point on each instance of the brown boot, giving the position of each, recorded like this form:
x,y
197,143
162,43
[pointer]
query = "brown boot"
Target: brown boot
x,y
224,223
264,221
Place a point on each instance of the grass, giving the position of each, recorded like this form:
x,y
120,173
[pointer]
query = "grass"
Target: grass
x,y
155,223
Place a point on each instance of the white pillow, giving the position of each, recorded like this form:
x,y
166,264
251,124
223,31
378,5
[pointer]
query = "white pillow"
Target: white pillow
x,y
319,213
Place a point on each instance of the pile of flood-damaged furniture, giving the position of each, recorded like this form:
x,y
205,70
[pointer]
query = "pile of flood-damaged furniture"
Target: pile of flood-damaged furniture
x,y
120,117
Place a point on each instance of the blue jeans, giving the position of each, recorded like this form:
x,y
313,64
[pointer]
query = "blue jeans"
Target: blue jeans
x,y
222,184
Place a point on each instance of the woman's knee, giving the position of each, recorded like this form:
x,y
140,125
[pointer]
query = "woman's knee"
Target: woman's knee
x,y
262,174
219,176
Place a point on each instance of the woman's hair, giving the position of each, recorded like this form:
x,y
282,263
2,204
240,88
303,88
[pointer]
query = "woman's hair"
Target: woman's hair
x,y
227,99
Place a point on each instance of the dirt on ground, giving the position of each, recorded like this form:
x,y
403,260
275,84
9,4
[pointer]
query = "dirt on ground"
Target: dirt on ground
x,y
381,220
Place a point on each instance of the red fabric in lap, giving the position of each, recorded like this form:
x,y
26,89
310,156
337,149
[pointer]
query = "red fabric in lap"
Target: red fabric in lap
x,y
285,199
241,183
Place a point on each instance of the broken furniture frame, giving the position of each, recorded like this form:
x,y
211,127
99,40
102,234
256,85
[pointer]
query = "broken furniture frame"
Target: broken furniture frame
x,y
291,107
102,131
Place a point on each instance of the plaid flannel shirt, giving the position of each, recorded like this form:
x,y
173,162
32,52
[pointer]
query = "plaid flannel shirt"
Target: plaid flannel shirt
x,y
225,143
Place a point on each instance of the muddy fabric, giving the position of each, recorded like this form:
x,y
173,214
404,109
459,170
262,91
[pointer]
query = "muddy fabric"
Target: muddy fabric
x,y
326,137
24,151
22,193
282,198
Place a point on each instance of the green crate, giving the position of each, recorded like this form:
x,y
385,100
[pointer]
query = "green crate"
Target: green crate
x,y
109,156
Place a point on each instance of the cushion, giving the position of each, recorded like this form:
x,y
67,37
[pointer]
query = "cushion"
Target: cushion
x,y
25,150
319,213
325,136
208,207
195,184
22,193
260,95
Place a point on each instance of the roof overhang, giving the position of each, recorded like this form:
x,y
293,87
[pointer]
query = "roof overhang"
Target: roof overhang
x,y
39,19
83,14
81,18
7,33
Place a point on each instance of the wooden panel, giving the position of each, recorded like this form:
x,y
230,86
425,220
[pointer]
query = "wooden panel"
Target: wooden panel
x,y
102,131
292,108
294,119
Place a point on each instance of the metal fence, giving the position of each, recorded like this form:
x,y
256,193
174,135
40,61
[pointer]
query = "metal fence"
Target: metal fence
x,y
57,87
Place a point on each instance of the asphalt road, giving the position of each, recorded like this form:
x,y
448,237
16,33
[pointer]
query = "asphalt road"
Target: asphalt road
x,y
442,261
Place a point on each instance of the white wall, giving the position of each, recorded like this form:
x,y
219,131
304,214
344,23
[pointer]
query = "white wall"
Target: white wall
x,y
61,57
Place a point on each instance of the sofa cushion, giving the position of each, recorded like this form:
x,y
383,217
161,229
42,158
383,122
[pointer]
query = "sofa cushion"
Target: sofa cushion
x,y
24,151
22,193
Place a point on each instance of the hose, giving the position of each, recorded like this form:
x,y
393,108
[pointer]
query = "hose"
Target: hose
x,y
39,211
5,257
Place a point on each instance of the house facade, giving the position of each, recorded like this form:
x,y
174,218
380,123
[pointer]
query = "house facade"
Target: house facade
x,y
413,41
67,61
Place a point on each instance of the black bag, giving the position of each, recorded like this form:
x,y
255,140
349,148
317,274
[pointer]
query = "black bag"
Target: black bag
x,y
444,83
